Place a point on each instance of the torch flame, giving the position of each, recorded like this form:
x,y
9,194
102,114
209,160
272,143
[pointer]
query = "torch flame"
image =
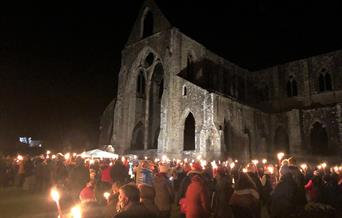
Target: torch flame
x,y
324,165
54,194
106,195
304,166
280,155
67,156
76,212
19,157
271,169
255,162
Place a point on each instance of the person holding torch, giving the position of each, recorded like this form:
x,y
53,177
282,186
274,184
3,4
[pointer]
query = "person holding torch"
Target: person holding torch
x,y
112,199
89,205
55,197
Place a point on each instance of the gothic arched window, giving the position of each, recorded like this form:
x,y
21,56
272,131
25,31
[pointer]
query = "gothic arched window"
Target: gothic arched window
x,y
324,81
328,85
321,83
189,133
291,87
141,85
184,90
148,24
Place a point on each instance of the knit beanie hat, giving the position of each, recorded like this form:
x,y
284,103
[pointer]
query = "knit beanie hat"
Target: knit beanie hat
x,y
196,166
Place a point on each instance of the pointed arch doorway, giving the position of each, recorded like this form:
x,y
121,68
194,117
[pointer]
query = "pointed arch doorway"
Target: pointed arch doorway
x,y
189,133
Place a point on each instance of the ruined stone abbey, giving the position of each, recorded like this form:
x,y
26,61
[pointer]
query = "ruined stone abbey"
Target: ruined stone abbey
x,y
176,97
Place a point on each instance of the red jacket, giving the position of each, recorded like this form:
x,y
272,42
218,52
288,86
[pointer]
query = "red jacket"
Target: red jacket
x,y
105,175
197,199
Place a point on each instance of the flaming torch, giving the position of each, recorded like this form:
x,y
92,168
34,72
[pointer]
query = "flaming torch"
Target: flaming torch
x,y
106,195
55,197
304,167
76,212
280,156
255,162
270,169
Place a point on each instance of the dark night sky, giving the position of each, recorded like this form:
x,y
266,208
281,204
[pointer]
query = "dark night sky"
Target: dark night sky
x,y
58,63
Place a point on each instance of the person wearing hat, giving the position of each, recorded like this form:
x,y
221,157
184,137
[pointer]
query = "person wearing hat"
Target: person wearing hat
x,y
223,192
164,191
78,177
299,179
129,200
197,196
88,192
89,204
147,195
284,198
245,201
144,173
252,172
196,170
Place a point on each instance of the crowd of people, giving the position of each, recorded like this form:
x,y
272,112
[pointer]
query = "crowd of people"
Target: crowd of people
x,y
129,187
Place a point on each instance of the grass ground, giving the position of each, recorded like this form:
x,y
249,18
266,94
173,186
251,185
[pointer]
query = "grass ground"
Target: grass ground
x,y
16,203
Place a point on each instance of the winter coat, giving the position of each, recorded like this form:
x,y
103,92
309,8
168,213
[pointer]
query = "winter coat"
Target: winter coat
x,y
149,204
164,192
145,176
78,177
223,193
245,203
105,175
183,187
135,210
111,207
267,188
197,199
119,172
257,181
283,198
147,195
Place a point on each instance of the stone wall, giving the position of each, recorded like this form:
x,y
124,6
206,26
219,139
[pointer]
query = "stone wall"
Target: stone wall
x,y
329,118
237,112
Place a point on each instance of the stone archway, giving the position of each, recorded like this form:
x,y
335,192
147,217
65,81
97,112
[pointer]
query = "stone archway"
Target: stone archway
x,y
189,133
154,109
319,142
137,142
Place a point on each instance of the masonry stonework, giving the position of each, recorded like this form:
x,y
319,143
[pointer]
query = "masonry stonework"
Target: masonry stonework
x,y
176,97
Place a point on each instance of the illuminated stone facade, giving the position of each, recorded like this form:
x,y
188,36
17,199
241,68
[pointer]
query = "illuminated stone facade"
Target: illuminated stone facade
x,y
177,97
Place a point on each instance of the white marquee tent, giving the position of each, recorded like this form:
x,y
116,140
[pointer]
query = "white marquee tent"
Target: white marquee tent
x,y
97,153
